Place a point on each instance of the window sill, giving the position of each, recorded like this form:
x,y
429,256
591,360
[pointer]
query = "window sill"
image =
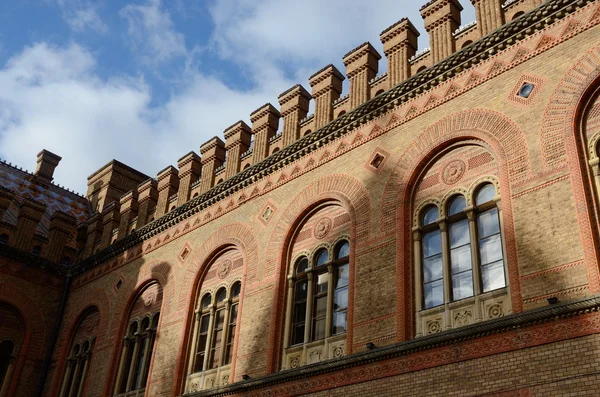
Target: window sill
x,y
208,379
314,352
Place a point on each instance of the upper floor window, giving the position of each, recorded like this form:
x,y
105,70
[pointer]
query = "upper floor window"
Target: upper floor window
x,y
139,340
460,262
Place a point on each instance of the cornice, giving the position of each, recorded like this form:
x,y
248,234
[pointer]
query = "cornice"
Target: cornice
x,y
517,30
503,324
30,259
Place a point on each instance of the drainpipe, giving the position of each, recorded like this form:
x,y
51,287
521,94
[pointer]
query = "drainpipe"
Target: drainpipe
x,y
55,331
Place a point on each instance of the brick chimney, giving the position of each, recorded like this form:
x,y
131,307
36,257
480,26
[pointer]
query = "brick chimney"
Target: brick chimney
x,y
399,45
362,64
490,15
265,121
147,197
129,210
326,87
190,170
46,163
294,107
213,156
442,18
168,184
237,141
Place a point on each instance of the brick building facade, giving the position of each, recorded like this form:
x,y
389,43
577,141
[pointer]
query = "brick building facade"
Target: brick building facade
x,y
434,232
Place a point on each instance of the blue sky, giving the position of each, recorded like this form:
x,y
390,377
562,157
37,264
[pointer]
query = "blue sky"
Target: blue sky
x,y
146,81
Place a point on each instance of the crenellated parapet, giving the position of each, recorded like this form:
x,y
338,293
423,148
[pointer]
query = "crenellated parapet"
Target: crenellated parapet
x,y
62,228
362,64
147,193
190,170
294,107
168,184
30,214
326,87
490,15
237,141
399,46
129,207
442,19
111,217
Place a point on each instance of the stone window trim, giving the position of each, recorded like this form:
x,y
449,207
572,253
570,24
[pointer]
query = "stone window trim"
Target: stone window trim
x,y
470,212
138,346
6,377
78,363
330,268
230,306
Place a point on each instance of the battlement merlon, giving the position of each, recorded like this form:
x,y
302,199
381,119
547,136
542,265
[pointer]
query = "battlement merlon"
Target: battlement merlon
x,y
190,170
400,43
237,140
46,164
362,65
326,87
168,184
294,107
213,156
442,19
265,122
147,197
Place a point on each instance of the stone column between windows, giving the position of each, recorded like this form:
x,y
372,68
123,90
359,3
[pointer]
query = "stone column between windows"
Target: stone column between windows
x,y
330,298
86,364
288,315
209,335
309,305
136,351
194,344
225,333
475,265
66,378
77,365
447,274
595,164
501,224
7,378
146,362
417,236
121,365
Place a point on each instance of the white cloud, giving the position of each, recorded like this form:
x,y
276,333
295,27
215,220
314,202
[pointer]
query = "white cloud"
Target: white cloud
x,y
82,15
151,32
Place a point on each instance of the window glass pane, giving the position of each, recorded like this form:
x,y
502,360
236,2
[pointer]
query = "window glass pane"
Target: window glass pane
x,y
320,307
340,301
321,258
322,282
490,249
457,205
319,331
233,314
206,301
459,233
301,289
339,323
432,243
430,216
488,223
298,336
434,294
342,276
432,268
485,194
462,285
492,276
221,295
461,259
301,265
343,250
235,290
300,312
204,323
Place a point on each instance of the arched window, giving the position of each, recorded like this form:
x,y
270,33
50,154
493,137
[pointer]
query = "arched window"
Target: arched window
x,y
460,260
138,345
216,321
7,355
12,334
317,304
80,357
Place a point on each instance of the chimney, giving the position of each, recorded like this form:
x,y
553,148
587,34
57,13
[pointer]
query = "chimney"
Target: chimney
x,y
94,231
168,183
399,45
30,214
129,210
326,87
46,163
265,121
190,169
442,18
61,227
110,221
213,156
490,15
362,64
294,107
237,141
147,196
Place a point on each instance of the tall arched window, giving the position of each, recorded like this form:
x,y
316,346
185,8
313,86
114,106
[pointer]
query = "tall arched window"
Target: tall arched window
x,y
80,356
12,334
215,323
139,340
317,303
451,268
